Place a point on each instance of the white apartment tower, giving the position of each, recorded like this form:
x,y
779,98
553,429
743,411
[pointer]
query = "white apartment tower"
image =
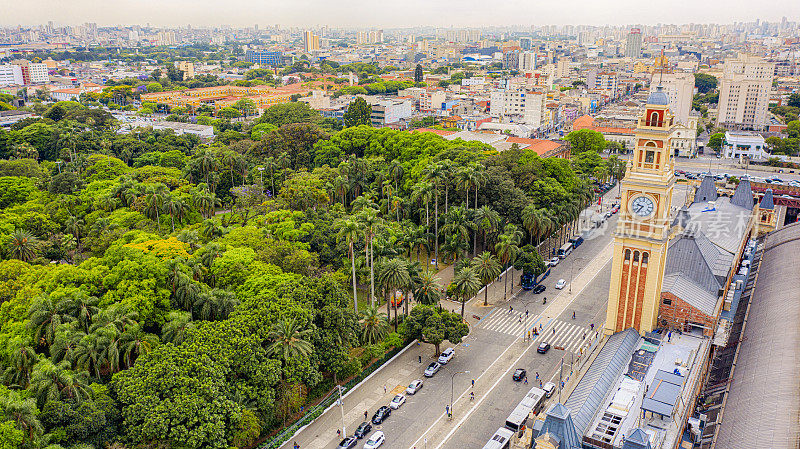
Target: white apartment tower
x,y
519,106
744,93
11,75
633,45
679,87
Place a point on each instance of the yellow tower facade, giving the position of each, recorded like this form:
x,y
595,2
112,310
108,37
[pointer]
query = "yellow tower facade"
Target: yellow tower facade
x,y
642,233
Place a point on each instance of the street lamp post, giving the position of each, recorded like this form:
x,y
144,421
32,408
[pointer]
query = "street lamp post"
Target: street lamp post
x,y
261,176
341,408
452,383
572,273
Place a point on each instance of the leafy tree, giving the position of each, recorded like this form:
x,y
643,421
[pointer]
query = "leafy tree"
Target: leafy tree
x,y
434,325
586,140
229,113
288,113
705,82
358,113
418,75
715,141
793,101
155,87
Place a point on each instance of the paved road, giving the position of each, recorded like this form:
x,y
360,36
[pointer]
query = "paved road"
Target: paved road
x,y
494,346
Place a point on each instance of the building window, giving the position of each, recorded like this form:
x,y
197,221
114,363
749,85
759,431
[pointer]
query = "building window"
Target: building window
x,y
635,256
627,255
666,301
645,258
649,156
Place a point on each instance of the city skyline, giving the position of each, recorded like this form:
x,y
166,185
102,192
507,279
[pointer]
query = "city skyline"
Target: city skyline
x,y
354,13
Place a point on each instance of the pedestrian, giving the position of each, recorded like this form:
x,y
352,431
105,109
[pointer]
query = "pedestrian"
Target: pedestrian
x,y
473,383
669,336
520,318
384,389
540,383
591,326
526,380
296,446
540,326
537,375
554,331
365,415
511,309
526,313
339,432
420,359
573,314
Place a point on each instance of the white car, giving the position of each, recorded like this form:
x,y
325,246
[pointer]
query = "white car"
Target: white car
x,y
553,261
445,357
561,284
397,401
432,369
414,387
375,441
549,388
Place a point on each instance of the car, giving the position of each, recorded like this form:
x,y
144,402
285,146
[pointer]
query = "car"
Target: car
x,y
397,401
414,387
381,415
432,369
549,388
543,347
375,441
539,288
553,261
348,443
561,284
519,374
362,430
609,214
445,357
614,210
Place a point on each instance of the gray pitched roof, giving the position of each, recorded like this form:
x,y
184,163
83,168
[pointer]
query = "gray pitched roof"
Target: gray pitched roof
x,y
596,383
558,423
743,195
682,218
722,222
686,257
637,439
683,287
707,191
764,399
767,202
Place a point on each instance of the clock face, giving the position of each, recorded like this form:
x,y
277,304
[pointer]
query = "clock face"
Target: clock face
x,y
642,206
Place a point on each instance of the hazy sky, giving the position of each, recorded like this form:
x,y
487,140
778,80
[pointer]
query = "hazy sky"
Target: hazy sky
x,y
387,14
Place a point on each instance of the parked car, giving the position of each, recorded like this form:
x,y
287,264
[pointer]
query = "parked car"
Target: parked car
x,y
381,415
348,443
561,284
397,401
519,374
549,388
432,369
362,430
553,261
414,387
539,288
543,347
445,357
375,441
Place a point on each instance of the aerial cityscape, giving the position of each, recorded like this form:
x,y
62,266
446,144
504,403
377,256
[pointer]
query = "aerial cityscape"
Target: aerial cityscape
x,y
288,225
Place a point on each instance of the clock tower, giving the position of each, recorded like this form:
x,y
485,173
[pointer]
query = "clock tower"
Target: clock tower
x,y
642,234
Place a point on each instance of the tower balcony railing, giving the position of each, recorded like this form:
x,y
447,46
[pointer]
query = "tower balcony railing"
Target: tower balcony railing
x,y
655,123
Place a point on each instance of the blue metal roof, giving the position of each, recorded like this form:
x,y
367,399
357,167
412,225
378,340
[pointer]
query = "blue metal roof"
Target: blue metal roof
x,y
637,439
663,393
593,387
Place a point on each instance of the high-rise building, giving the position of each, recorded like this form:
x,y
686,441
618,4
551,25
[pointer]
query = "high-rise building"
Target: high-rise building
x,y
522,105
525,43
164,38
642,234
511,59
32,73
310,41
376,36
744,93
633,45
187,68
11,75
527,61
271,58
679,87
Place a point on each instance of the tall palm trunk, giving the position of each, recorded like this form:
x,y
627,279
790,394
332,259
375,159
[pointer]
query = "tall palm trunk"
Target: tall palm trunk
x,y
436,226
505,286
371,273
394,301
353,262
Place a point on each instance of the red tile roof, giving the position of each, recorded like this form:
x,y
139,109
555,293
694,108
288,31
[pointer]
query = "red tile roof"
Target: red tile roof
x,y
439,132
540,146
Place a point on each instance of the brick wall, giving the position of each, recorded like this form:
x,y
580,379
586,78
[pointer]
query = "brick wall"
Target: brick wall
x,y
679,312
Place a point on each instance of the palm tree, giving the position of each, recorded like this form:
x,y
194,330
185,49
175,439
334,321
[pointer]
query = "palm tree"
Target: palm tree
x,y
284,162
177,326
457,225
447,168
368,219
487,268
64,344
135,342
271,165
23,245
436,174
466,284
486,220
418,238
375,325
423,192
349,232
154,201
52,381
176,208
74,225
44,316
289,341
23,413
215,305
394,275
82,307
23,358
429,289
507,249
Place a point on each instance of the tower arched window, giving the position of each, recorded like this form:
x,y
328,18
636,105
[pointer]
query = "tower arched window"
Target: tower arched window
x,y
654,118
627,255
645,258
635,256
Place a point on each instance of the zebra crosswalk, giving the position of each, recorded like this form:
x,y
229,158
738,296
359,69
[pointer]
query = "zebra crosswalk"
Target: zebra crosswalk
x,y
567,335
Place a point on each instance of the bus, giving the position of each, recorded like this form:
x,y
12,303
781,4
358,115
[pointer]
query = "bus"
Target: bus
x,y
565,250
500,440
576,241
532,402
